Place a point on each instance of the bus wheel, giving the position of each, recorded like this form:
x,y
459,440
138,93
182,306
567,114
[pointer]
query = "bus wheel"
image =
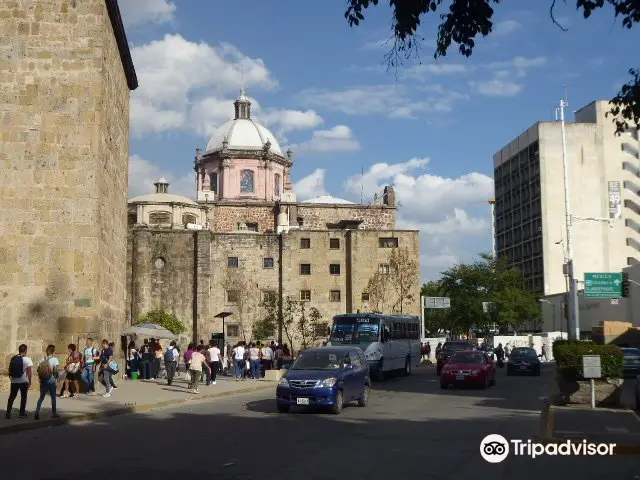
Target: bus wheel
x,y
407,367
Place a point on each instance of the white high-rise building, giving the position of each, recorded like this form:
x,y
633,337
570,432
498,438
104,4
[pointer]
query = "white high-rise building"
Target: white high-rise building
x,y
604,184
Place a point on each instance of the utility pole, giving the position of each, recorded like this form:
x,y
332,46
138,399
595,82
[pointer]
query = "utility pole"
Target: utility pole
x,y
574,315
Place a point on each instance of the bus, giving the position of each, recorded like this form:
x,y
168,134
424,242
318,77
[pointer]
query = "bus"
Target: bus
x,y
390,342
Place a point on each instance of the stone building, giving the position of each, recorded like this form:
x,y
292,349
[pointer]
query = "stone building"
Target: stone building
x,y
64,139
253,239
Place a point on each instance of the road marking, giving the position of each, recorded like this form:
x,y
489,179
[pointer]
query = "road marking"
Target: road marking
x,y
617,430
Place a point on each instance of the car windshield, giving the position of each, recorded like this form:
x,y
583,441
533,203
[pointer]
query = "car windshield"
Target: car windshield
x,y
318,361
524,352
355,330
467,358
452,347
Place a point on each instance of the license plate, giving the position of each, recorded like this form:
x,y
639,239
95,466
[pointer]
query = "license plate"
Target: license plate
x,y
302,401
460,377
523,367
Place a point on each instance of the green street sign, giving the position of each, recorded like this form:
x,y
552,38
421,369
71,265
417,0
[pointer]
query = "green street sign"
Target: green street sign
x,y
603,285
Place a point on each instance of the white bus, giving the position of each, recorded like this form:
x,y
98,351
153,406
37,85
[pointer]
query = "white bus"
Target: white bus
x,y
389,342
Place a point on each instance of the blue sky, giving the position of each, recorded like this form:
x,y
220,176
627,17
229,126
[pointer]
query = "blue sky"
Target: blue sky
x,y
323,89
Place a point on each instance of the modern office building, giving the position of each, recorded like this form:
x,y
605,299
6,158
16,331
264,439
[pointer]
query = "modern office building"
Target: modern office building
x,y
604,186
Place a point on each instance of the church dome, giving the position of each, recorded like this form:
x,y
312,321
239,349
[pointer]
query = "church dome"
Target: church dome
x,y
243,133
161,196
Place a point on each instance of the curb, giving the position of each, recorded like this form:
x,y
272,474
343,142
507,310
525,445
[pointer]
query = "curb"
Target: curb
x,y
122,410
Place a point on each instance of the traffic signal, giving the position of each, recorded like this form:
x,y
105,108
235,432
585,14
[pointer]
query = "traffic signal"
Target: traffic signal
x,y
625,285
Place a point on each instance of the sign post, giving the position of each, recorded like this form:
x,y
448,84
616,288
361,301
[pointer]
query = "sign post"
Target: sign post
x,y
603,285
432,303
592,369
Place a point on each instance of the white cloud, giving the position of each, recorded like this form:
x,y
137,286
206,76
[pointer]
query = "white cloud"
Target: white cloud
x,y
289,120
457,223
505,73
143,173
437,69
139,12
310,186
506,27
337,139
391,100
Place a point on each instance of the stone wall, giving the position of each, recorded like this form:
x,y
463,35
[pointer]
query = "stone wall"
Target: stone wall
x,y
224,218
63,180
316,217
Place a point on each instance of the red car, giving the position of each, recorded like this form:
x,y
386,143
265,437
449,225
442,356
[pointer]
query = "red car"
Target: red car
x,y
469,368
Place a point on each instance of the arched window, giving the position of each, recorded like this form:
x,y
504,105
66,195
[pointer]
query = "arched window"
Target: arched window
x,y
188,218
246,181
276,185
213,182
159,218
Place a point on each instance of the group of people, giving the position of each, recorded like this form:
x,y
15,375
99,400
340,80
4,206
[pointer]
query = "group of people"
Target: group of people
x,y
78,367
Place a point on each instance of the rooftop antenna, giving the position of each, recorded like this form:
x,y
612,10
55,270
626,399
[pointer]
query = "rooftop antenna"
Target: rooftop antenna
x,y
242,77
361,183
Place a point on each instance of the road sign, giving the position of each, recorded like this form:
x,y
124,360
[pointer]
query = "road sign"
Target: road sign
x,y
437,302
603,285
591,366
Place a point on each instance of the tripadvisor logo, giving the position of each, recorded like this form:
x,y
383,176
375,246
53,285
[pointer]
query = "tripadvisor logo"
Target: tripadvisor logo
x,y
495,448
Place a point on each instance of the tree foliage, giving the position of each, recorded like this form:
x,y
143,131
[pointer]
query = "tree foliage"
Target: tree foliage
x,y
266,324
468,286
310,326
163,319
393,290
466,19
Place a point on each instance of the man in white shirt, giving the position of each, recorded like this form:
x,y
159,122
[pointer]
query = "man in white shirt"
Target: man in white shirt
x,y
238,358
214,359
171,361
20,373
267,357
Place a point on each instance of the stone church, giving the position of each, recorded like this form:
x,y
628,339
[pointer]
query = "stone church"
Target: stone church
x,y
245,237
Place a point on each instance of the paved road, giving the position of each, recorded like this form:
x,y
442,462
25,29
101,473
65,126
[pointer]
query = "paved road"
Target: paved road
x,y
411,429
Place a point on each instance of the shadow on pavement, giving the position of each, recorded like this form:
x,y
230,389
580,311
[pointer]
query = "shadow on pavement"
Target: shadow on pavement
x,y
248,444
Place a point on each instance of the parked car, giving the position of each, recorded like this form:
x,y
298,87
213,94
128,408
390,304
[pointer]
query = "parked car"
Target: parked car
x,y
523,361
448,349
469,368
631,362
325,377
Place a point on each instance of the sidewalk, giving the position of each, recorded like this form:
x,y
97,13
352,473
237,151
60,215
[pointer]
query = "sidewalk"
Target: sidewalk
x,y
132,396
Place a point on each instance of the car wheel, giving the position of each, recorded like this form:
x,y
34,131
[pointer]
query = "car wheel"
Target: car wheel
x,y
364,399
339,403
443,386
407,367
282,408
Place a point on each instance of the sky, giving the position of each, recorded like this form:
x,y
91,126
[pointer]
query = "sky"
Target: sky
x,y
430,128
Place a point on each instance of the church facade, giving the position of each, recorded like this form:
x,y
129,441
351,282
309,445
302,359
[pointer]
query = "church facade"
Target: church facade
x,y
245,238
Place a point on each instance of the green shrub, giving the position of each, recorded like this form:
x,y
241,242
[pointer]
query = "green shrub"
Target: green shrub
x,y
567,342
568,356
163,319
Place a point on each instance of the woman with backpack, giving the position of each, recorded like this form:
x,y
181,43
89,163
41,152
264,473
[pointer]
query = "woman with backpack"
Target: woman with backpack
x,y
48,374
108,368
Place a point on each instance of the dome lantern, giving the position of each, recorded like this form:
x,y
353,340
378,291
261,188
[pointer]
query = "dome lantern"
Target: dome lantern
x,y
242,106
162,186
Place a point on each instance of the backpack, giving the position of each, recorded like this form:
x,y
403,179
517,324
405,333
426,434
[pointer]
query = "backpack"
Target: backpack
x,y
44,369
16,367
168,355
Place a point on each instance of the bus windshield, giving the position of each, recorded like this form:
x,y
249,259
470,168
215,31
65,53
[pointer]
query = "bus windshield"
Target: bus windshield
x,y
348,331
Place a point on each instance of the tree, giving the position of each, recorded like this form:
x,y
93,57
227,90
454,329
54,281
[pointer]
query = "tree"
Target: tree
x,y
265,326
290,309
310,326
405,275
245,299
163,319
466,19
378,289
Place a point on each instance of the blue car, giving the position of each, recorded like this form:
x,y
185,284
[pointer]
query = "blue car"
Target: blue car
x,y
325,377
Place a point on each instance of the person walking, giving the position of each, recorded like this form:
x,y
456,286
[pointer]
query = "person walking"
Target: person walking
x,y
74,375
544,356
90,358
106,368
254,359
48,374
157,360
20,367
267,358
428,351
214,358
198,363
145,354
171,361
238,358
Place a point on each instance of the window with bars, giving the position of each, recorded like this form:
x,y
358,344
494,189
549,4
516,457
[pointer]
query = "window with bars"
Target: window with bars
x,y
267,262
388,242
334,243
233,262
305,269
334,295
334,269
384,268
305,243
305,295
